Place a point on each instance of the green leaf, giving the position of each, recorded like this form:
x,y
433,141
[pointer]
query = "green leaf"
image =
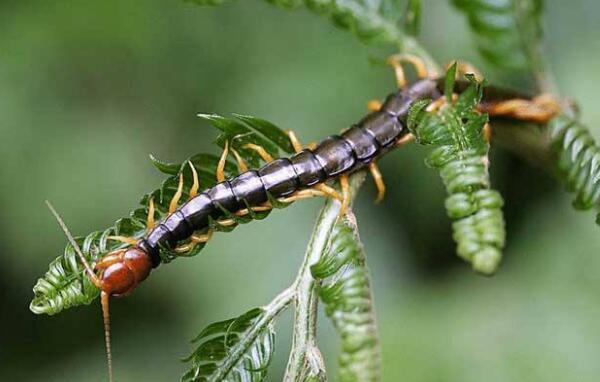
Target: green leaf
x,y
449,82
239,349
164,167
346,293
65,284
460,154
508,31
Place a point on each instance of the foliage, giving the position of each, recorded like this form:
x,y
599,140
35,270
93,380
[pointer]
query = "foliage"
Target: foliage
x,y
460,155
578,160
348,302
334,269
65,284
508,32
238,349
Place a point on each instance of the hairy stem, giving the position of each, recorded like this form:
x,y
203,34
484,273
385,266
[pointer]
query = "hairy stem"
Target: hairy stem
x,y
305,358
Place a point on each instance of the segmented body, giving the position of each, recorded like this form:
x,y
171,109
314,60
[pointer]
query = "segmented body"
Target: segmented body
x,y
341,154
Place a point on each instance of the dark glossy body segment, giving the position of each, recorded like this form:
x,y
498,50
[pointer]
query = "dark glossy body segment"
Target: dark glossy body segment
x,y
356,147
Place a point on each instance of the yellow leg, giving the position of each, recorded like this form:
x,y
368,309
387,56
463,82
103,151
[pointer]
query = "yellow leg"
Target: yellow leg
x,y
374,105
221,164
540,109
405,139
150,219
396,62
295,142
329,191
196,184
303,194
124,239
260,151
345,194
242,166
177,196
194,240
202,238
378,179
246,211
437,104
110,259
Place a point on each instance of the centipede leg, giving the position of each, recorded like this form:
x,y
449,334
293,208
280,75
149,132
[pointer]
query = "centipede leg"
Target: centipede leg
x,y
260,151
396,62
150,219
374,105
242,166
328,191
177,196
221,165
296,142
196,183
378,179
195,240
405,139
540,109
110,259
345,184
302,194
124,239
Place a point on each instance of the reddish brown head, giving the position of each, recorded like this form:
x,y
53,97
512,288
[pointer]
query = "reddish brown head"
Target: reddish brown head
x,y
124,272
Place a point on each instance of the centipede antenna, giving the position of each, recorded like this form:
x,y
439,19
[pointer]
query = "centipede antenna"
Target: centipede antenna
x,y
75,246
104,300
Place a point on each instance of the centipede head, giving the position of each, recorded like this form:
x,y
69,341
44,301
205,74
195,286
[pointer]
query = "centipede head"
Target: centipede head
x,y
120,273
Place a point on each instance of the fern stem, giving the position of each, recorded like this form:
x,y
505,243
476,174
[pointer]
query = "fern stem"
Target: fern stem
x,y
305,358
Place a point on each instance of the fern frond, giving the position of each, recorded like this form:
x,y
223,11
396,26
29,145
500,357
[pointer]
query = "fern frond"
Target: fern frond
x,y
578,160
238,349
508,32
65,284
460,156
349,303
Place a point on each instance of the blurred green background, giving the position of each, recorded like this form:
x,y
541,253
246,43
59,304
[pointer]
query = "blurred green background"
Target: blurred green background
x,y
89,89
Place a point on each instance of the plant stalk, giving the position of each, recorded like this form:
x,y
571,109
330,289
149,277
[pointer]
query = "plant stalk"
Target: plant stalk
x,y
305,358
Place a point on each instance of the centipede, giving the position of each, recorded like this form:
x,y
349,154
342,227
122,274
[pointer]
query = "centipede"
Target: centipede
x,y
309,172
